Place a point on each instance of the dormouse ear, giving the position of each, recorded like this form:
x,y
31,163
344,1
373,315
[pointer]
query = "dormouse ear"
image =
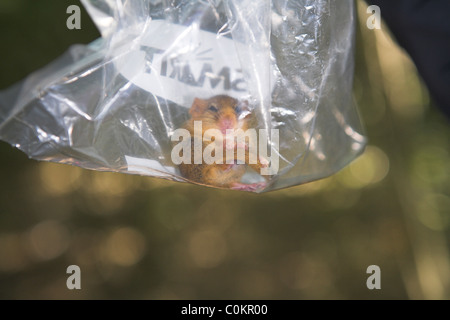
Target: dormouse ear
x,y
244,107
246,112
198,106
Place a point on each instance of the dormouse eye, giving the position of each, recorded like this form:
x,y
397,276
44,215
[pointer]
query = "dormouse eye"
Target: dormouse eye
x,y
238,109
213,108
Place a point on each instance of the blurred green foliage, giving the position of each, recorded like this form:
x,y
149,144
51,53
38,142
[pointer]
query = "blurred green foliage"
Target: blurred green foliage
x,y
143,238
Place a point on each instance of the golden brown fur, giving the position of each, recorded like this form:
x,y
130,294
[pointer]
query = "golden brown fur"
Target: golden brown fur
x,y
222,113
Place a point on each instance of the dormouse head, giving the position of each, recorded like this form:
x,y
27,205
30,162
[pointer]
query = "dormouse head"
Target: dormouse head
x,y
220,112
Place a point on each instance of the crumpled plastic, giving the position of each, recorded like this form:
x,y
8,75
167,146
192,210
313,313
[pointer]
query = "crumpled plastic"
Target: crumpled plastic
x,y
114,104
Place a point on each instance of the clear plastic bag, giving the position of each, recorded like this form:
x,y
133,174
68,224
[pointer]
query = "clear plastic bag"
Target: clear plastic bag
x,y
285,68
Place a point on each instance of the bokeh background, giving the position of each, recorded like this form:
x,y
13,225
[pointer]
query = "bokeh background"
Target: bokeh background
x,y
142,238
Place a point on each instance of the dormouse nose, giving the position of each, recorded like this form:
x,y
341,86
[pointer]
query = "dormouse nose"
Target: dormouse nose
x,y
227,122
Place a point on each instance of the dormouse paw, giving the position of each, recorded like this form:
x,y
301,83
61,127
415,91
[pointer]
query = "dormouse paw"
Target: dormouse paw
x,y
231,145
252,187
264,162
